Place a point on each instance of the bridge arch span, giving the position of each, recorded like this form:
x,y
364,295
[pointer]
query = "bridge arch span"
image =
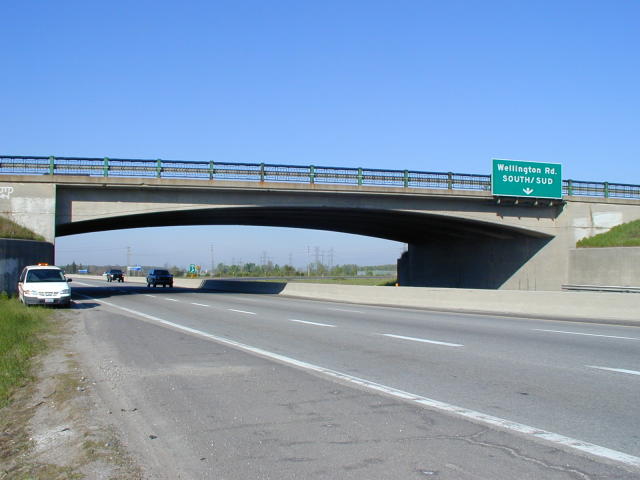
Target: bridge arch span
x,y
401,226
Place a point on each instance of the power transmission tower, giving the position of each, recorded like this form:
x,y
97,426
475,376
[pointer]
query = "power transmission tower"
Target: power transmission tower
x,y
317,255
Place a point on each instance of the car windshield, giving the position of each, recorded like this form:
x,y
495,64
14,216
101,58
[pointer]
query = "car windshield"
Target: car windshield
x,y
46,275
115,271
162,272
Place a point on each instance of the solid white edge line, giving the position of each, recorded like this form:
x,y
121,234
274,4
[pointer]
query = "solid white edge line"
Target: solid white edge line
x,y
585,334
311,323
618,370
568,442
241,311
423,340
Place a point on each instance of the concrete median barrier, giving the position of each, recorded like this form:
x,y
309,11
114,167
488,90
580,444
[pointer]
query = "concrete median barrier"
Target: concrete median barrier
x,y
605,307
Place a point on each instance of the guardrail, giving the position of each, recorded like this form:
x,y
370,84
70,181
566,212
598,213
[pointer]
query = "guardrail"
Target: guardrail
x,y
264,172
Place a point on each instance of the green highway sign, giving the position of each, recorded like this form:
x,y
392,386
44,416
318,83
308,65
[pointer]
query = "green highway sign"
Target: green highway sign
x,y
517,178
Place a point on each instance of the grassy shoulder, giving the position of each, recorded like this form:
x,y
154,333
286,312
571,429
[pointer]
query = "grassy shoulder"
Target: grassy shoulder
x,y
10,229
21,333
50,425
625,235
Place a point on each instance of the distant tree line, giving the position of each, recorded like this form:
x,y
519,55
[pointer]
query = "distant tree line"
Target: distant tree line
x,y
315,269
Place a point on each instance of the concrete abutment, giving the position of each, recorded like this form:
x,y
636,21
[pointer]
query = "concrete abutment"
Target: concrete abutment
x,y
17,254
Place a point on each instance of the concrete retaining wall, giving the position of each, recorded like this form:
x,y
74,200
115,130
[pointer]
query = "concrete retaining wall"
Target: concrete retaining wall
x,y
15,255
618,266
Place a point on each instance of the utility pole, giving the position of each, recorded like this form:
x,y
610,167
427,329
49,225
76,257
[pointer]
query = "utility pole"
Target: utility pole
x,y
212,264
128,256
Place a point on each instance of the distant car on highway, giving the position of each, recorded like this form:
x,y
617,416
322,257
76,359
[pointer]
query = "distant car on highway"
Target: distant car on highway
x,y
158,276
114,275
44,285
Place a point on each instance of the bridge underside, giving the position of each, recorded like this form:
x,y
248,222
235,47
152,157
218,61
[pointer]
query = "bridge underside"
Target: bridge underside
x,y
443,251
407,227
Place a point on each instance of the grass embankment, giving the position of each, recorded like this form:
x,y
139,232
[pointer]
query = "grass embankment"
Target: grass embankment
x,y
20,341
10,229
625,235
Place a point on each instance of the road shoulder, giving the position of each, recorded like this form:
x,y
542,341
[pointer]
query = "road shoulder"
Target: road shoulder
x,y
56,426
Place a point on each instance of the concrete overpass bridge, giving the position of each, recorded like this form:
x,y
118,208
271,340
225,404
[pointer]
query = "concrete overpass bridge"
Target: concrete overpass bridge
x,y
458,233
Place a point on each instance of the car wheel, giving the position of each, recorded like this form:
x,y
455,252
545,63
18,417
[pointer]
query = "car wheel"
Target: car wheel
x,y
148,285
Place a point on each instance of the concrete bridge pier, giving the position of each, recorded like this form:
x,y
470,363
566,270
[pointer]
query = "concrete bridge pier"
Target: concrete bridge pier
x,y
480,262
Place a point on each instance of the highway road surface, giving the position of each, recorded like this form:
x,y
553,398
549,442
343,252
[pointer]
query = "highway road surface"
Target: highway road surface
x,y
240,386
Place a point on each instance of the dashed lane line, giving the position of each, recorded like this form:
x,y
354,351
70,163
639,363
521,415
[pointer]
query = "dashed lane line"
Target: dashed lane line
x,y
344,310
199,304
478,417
311,323
241,311
423,340
618,370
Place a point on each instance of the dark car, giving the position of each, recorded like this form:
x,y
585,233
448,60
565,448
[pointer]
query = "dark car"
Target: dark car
x,y
114,275
159,276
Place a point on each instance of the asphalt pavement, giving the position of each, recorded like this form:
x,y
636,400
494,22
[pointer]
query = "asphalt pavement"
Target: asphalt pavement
x,y
260,386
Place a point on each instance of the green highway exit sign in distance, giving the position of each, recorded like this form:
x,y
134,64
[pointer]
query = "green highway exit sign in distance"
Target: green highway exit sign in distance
x,y
517,178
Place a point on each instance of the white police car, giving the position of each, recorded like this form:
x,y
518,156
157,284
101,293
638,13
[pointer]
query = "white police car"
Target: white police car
x,y
44,285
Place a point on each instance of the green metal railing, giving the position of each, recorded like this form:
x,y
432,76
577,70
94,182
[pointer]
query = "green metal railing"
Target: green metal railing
x,y
262,172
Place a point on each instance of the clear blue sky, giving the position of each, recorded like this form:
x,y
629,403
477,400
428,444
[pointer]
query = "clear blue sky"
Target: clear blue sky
x,y
423,85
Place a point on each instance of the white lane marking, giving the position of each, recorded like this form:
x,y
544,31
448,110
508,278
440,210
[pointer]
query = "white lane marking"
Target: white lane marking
x,y
241,311
619,370
199,304
149,295
585,334
344,310
311,323
473,415
171,299
423,340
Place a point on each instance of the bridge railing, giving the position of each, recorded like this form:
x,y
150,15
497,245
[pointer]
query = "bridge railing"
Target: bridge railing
x,y
263,172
